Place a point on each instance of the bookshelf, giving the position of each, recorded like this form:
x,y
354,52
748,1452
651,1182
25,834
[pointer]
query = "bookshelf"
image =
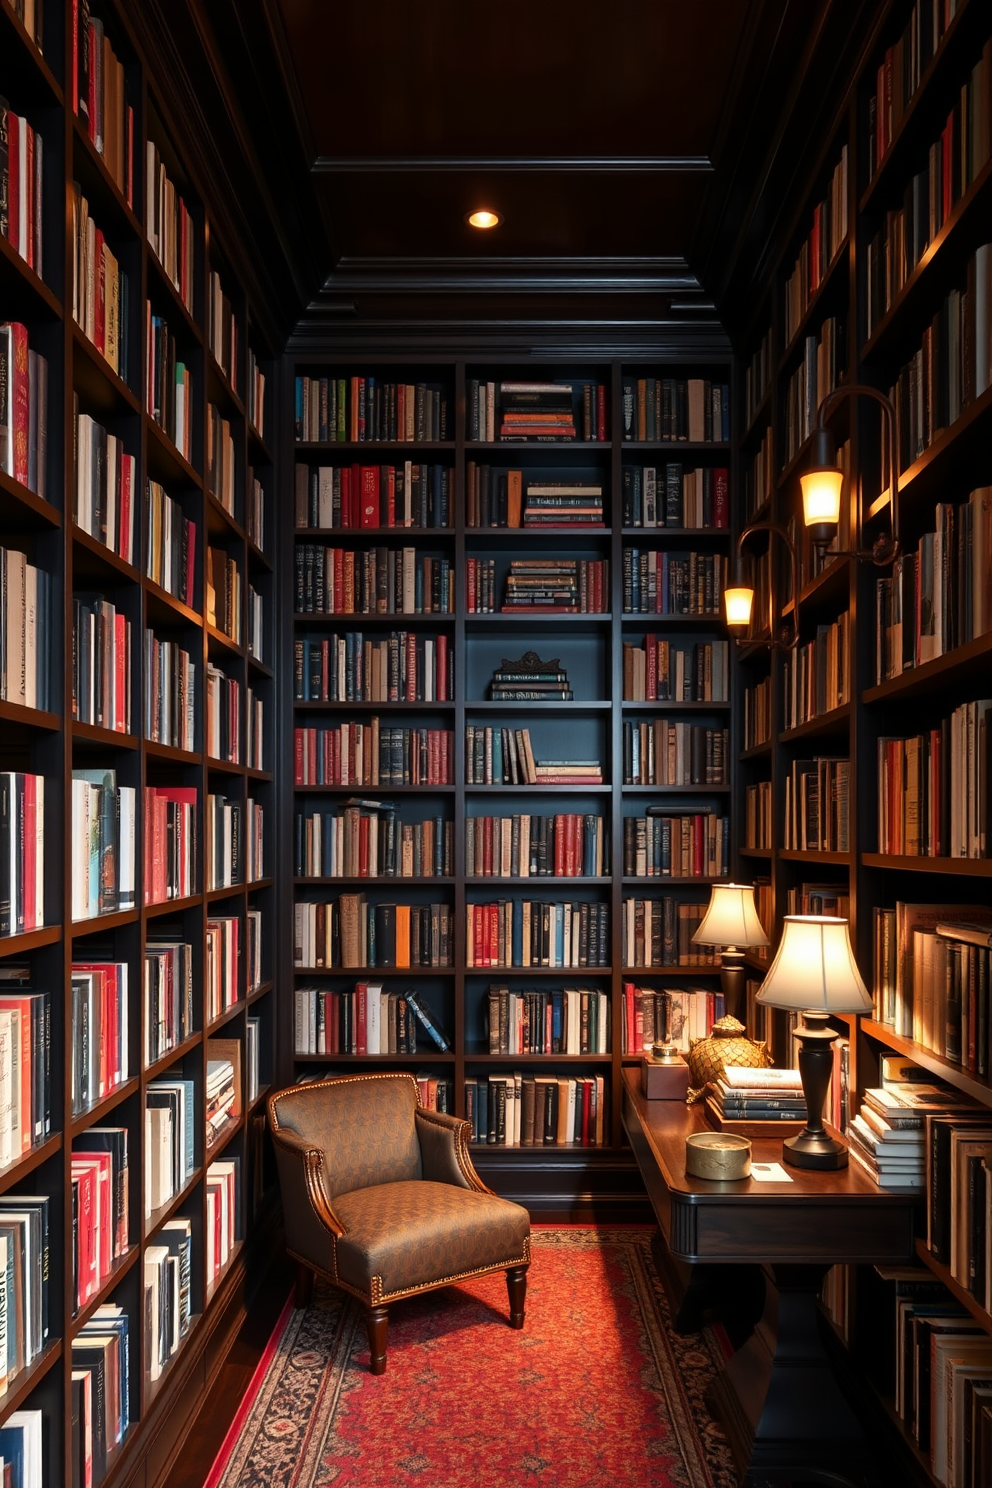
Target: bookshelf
x,y
489,487
884,307
117,515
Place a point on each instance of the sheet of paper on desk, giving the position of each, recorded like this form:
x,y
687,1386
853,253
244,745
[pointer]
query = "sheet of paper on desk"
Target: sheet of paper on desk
x,y
769,1173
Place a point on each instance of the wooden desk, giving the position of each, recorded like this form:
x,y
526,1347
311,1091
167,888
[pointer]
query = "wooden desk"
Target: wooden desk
x,y
778,1396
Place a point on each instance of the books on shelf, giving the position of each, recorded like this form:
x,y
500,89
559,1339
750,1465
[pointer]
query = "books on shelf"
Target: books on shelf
x,y
223,1214
758,476
658,932
223,731
169,1140
817,374
25,639
667,843
31,15
526,932
679,1014
170,847
170,694
814,899
519,1110
659,409
657,582
255,731
253,948
100,1021
516,412
255,400
25,1072
22,1433
253,1039
103,844
403,666
23,409
352,933
373,754
903,66
758,829
222,330
99,1208
933,788
360,410
223,593
661,671
568,845
224,830
817,674
758,713
575,1020
343,496
22,852
368,840
104,492
220,973
169,226
372,581
167,1290
100,288
101,1388
757,377
101,98
101,663
816,812
529,679
220,459
223,1104
368,1019
505,756
671,496
255,504
536,585
659,752
255,841
257,648
168,993
497,497
168,384
170,545
554,504
820,249
22,158
919,989
26,1261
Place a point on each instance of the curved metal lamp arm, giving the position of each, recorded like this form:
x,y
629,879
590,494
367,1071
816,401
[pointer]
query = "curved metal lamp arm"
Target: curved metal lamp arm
x,y
776,643
885,548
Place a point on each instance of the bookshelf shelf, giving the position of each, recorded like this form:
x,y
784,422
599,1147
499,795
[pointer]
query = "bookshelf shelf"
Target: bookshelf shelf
x,y
543,880
170,906
834,722
945,1069
165,463
971,867
533,790
91,733
392,880
569,972
759,418
669,446
963,441
810,855
117,1272
29,717
88,162
96,1114
103,923
757,852
221,522
958,1292
829,285
758,751
530,534
168,752
22,1383
215,1285
161,286
157,1218
12,28
677,790
406,449
223,1139
170,1057
672,706
701,879
93,375
152,1389
478,1056
227,1016
373,971
25,287
945,673
24,509
829,587
399,1061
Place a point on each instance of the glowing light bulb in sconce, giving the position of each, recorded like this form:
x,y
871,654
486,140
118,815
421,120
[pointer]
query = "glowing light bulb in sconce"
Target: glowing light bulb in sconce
x,y
738,602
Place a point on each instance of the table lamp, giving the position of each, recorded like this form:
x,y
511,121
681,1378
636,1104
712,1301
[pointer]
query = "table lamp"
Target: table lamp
x,y
731,922
814,973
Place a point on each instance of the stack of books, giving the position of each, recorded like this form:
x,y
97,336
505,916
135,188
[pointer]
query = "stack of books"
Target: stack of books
x,y
556,585
563,504
221,1096
887,1138
745,1094
540,411
530,680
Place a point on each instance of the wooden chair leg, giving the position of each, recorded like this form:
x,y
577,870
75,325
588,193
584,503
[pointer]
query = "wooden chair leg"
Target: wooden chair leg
x,y
516,1288
304,1285
377,1321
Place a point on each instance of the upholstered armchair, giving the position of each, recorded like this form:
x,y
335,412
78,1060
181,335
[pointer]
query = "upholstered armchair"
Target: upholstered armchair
x,y
381,1197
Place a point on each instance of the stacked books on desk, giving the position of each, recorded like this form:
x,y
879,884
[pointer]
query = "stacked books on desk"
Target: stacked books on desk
x,y
745,1094
887,1138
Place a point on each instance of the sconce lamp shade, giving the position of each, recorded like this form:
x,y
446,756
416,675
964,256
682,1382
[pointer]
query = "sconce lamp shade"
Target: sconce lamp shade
x,y
738,602
814,969
731,918
821,495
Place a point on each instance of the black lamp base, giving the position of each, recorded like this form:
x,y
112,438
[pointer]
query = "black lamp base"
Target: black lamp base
x,y
732,982
813,1147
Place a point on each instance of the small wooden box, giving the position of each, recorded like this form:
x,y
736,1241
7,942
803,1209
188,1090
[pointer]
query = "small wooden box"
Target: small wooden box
x,y
668,1080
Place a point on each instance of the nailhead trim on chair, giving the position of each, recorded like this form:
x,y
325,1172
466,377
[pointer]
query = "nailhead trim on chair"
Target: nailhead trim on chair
x,y
377,1298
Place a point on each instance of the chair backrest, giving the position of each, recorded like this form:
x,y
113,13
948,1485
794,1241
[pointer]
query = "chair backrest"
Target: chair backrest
x,y
363,1124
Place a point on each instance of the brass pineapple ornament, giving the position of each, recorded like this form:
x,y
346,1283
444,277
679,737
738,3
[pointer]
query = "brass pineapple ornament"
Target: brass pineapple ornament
x,y
727,1043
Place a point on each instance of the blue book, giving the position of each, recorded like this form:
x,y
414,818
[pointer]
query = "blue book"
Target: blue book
x,y
517,934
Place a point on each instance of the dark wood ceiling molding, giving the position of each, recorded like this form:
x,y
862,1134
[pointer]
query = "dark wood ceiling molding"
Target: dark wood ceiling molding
x,y
500,275
659,340
330,165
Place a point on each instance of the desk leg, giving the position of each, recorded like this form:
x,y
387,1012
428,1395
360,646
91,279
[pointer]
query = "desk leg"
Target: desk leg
x,y
779,1400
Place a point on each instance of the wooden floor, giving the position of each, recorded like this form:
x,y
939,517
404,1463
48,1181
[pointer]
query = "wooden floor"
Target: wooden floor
x,y
220,1407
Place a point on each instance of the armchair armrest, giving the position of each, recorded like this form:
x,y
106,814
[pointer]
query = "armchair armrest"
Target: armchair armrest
x,y
311,1223
444,1150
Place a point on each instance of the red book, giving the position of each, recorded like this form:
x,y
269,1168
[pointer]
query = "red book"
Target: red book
x,y
698,845
410,692
13,179
441,663
361,1026
130,157
18,398
586,1104
82,1181
389,472
336,597
651,669
100,287
91,101
120,678
561,826
477,919
494,936
31,834
370,496
29,205
601,412
721,505
363,846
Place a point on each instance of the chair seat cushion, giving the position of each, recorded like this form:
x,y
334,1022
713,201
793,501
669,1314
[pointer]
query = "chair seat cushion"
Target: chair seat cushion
x,y
419,1234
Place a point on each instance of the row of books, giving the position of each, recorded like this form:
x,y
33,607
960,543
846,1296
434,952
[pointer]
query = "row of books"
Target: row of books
x,y
255,394
819,249
901,71
933,788
328,497
352,933
167,1291
940,596
170,1140
104,492
222,329
566,845
817,806
224,1223
25,1266
908,940
361,410
758,713
100,288
170,694
816,676
167,973
100,1040
25,1076
170,843
953,366
518,1110
101,1388
101,663
673,583
223,720
368,840
373,754
658,933
168,384
370,1019
220,966
544,412
101,98
22,852
100,1208
575,1020
671,496
220,461
222,602
170,545
233,832
524,932
505,756
568,585
817,374
757,377
169,226
659,409
257,647
22,177
758,829
758,476
678,1015
671,844
372,581
23,409
22,1434
404,666
103,844
25,642
663,753
662,671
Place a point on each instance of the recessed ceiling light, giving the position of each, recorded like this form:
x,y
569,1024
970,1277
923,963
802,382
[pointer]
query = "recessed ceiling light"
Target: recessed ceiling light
x,y
484,218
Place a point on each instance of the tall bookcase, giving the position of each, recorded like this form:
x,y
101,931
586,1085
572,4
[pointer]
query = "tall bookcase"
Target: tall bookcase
x,y
880,329
590,649
50,525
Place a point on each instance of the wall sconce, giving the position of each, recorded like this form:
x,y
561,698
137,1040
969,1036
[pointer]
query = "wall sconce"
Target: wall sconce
x,y
823,483
738,598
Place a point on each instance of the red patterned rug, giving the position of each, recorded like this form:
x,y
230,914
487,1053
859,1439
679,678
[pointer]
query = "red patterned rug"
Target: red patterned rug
x,y
596,1392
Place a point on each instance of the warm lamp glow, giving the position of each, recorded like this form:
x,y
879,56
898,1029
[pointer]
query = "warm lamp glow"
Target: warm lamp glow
x,y
738,604
484,218
814,969
821,496
731,918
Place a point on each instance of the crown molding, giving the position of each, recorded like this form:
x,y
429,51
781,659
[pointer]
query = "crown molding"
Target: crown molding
x,y
343,165
501,275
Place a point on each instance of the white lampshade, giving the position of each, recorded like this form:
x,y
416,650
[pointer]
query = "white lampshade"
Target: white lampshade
x,y
731,918
821,496
738,602
814,969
